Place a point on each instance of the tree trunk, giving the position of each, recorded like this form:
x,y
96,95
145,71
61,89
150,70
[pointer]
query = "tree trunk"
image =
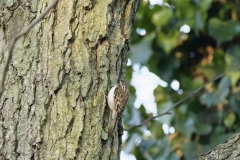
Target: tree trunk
x,y
228,150
53,106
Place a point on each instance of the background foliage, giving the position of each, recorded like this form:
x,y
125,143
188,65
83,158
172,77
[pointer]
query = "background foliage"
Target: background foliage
x,y
212,46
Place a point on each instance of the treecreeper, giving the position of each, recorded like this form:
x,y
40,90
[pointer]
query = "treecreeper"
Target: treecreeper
x,y
117,100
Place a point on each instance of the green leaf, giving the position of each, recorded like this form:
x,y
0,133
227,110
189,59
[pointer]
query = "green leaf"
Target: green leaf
x,y
223,31
145,145
191,150
232,57
187,128
203,129
156,130
229,119
166,67
218,138
166,118
183,108
168,41
234,102
131,143
162,17
198,22
208,99
141,52
218,96
162,152
135,117
205,4
197,82
209,71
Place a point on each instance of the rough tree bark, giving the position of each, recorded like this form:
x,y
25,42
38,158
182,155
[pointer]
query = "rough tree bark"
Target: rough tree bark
x,y
227,150
53,106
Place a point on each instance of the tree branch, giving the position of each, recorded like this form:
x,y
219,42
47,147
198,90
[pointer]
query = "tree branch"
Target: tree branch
x,y
182,100
16,37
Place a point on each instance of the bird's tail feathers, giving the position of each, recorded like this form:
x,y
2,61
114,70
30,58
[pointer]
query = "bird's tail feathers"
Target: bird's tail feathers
x,y
112,127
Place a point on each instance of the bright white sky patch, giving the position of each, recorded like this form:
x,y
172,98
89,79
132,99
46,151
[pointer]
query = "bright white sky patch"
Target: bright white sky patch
x,y
125,156
158,2
129,62
175,85
124,136
145,131
171,130
141,31
167,129
145,82
185,29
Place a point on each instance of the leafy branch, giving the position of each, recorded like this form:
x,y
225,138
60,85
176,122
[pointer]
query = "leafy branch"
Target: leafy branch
x,y
16,37
184,99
